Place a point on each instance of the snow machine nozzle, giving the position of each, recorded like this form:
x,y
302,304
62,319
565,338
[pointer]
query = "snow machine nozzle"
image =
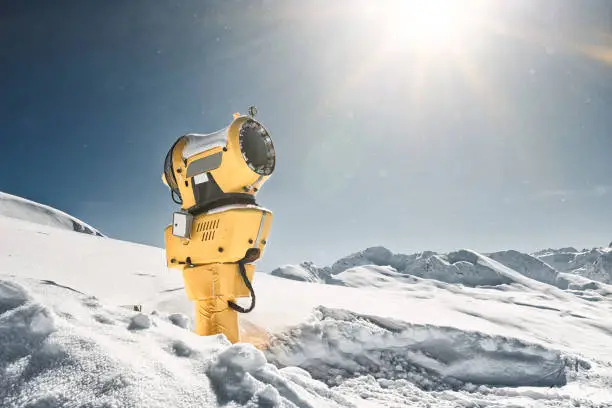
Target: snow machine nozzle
x,y
229,164
220,230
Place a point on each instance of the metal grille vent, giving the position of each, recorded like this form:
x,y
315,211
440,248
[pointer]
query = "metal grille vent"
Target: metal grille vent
x,y
207,228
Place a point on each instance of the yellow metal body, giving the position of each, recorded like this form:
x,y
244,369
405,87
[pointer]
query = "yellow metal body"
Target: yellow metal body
x,y
232,176
211,287
208,260
218,239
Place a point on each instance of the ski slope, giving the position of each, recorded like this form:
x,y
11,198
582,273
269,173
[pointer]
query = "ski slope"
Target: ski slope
x,y
373,336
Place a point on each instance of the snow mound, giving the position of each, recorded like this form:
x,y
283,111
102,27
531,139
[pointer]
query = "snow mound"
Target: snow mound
x,y
379,256
241,374
305,272
382,277
180,320
402,393
139,322
61,348
16,207
337,345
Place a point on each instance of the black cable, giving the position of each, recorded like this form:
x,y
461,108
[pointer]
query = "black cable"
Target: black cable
x,y
178,200
245,278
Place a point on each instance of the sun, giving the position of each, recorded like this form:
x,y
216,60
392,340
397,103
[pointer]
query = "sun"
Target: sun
x,y
424,25
418,43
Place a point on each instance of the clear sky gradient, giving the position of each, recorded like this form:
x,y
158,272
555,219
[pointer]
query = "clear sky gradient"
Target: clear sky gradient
x,y
498,136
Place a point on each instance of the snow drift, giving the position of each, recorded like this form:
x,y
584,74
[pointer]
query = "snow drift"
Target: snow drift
x,y
20,208
61,348
65,348
338,344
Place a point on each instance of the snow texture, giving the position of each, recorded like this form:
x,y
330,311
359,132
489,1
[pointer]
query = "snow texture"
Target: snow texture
x,y
305,272
338,344
58,352
180,320
387,330
139,322
20,208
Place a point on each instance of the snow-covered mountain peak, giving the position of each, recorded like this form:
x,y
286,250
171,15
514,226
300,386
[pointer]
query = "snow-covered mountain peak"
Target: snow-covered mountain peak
x,y
594,264
17,207
578,271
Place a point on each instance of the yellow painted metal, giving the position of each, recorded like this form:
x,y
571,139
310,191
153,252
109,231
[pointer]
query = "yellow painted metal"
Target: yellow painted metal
x,y
233,175
220,238
215,279
211,287
180,172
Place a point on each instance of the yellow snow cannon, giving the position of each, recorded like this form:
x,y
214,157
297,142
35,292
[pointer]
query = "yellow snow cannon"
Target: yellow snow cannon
x,y
220,231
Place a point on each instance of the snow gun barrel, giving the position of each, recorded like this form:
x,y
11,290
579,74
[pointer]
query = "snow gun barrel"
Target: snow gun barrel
x,y
229,165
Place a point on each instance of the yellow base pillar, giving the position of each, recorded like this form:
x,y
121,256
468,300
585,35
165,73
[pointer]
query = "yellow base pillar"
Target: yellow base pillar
x,y
211,287
213,316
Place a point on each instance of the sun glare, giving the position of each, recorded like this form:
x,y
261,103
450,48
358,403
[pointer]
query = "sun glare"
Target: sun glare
x,y
424,25
412,39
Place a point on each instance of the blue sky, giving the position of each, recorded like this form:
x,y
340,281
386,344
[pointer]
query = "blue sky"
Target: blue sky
x,y
502,141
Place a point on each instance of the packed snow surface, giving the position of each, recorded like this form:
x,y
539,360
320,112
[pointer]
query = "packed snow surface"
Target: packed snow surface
x,y
373,330
20,208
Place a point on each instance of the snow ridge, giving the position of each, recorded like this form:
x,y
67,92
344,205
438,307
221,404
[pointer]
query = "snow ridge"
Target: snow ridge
x,y
23,209
594,264
338,344
376,265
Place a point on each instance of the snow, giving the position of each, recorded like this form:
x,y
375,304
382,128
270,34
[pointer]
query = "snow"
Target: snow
x,y
375,329
121,272
529,266
60,347
594,264
139,322
301,272
22,209
180,320
340,343
456,267
371,276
